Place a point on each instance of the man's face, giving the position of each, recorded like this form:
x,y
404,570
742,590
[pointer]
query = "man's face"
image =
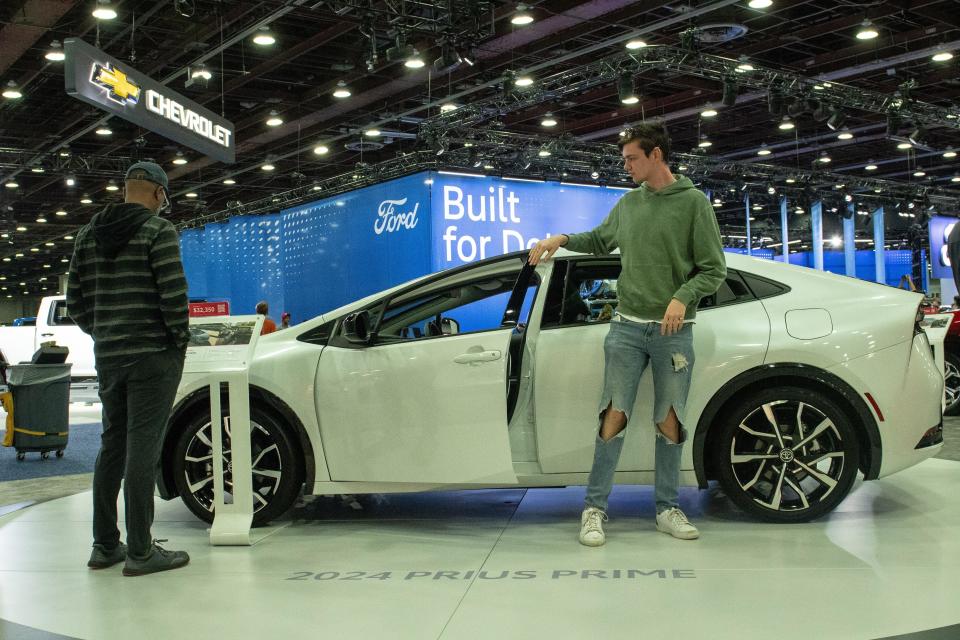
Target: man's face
x,y
637,163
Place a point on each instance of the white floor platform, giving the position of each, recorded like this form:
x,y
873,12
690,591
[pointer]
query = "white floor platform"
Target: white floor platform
x,y
506,564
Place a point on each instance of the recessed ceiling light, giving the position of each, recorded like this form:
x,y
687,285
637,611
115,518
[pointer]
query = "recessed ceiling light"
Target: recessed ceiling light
x,y
635,43
264,37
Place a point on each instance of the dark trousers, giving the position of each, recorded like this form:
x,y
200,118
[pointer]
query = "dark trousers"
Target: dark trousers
x,y
137,399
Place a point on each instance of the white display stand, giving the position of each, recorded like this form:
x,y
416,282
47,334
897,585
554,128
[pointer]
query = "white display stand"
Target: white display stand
x,y
225,360
936,326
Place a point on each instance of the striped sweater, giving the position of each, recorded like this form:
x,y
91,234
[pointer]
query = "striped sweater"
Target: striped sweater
x,y
126,286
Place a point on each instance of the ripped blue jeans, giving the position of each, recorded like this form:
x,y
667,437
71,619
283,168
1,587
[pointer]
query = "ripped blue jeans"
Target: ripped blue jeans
x,y
628,349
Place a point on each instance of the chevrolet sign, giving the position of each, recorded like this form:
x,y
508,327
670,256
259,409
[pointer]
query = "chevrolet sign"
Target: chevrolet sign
x,y
95,78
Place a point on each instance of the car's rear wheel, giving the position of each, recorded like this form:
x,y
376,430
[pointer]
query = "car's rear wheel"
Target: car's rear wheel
x,y
951,383
787,454
276,465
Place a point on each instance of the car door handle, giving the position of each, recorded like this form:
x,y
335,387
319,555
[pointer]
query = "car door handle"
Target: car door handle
x,y
45,335
478,356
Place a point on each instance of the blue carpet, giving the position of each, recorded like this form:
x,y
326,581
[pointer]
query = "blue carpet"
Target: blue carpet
x,y
79,456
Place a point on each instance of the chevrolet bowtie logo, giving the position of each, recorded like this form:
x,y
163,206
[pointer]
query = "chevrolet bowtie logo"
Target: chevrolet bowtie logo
x,y
119,88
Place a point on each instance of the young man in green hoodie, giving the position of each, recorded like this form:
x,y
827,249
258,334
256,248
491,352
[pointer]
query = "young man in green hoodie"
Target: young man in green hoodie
x,y
671,257
127,289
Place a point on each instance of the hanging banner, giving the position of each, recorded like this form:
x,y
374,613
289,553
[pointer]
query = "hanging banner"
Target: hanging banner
x,y
104,82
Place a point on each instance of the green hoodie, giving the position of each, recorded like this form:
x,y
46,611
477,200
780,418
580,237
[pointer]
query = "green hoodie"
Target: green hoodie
x,y
670,247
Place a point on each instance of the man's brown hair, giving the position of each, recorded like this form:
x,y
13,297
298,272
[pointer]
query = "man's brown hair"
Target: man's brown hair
x,y
648,136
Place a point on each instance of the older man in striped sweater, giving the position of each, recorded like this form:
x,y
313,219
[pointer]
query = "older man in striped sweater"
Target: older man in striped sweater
x,y
126,288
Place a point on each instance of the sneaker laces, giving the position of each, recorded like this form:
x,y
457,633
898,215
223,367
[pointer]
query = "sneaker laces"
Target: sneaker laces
x,y
677,518
594,518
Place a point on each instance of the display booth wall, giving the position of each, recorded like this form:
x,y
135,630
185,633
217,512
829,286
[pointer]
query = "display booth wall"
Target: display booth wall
x,y
318,256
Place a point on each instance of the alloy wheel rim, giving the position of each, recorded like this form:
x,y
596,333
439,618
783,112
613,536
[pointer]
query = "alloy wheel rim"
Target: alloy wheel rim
x,y
787,455
951,382
266,465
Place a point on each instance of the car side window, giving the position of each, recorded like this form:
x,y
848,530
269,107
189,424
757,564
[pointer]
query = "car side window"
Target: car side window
x,y
465,308
581,293
59,315
732,290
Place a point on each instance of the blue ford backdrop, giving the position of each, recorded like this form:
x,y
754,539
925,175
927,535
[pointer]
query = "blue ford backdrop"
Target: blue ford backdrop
x,y
318,256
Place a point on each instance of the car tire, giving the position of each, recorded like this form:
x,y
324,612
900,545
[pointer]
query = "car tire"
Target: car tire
x,y
786,473
277,466
951,383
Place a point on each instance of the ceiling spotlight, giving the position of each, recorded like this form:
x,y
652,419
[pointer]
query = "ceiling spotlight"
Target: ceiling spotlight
x,y
709,112
942,56
200,72
836,241
229,181
760,4
846,134
415,61
786,124
522,16
103,10
264,37
267,167
771,190
341,91
837,119
446,107
824,158
179,160
870,167
796,107
626,90
104,131
594,174
764,151
274,120
55,54
449,60
548,120
635,43
372,133
112,186
867,31
730,90
821,111
523,81
903,146
321,149
918,136
11,91
893,122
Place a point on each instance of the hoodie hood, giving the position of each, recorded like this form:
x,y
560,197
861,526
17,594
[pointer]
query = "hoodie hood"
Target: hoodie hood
x,y
116,224
682,183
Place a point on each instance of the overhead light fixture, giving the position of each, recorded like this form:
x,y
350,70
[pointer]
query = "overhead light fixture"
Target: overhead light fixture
x,y
41,220
744,65
775,101
104,131
790,180
764,151
70,181
447,107
635,43
626,90
796,107
11,91
522,16
544,153
200,72
449,59
86,200
415,61
760,4
267,166
919,173
836,241
264,37
12,184
918,136
949,153
112,186
192,194
548,120
903,146
523,81
321,149
55,54
179,160
704,143
846,134
786,124
709,112
372,133
60,212
870,167
341,91
37,168
824,158
771,190
229,181
942,56
730,91
867,31
274,120
103,10
955,178
317,187
837,119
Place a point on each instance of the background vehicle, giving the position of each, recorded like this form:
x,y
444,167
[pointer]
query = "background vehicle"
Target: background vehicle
x,y
489,375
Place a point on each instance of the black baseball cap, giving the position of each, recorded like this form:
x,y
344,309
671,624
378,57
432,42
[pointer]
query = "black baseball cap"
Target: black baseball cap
x,y
150,171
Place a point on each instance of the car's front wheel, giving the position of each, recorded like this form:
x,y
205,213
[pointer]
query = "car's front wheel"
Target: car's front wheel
x,y
787,454
277,467
951,383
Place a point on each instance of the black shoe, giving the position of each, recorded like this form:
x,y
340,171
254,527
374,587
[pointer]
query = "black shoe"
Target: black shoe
x,y
158,559
103,558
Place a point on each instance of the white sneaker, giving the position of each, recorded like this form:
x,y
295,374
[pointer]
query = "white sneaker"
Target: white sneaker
x,y
674,522
591,527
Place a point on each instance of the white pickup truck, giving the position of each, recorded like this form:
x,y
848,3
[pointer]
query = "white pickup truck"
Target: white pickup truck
x,y
17,344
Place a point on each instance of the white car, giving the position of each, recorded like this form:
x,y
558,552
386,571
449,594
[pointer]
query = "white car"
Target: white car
x,y
489,375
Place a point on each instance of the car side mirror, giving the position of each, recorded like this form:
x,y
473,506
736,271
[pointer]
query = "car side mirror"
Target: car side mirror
x,y
356,327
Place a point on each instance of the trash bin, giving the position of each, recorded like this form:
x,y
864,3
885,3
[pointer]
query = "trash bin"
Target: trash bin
x,y
41,407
